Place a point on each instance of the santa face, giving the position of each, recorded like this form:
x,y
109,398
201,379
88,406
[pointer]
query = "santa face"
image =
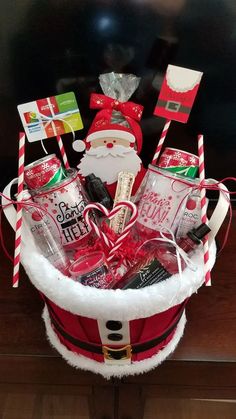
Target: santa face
x,y
107,157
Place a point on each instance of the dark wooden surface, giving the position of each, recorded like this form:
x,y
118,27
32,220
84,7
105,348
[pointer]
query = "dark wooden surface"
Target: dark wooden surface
x,y
203,366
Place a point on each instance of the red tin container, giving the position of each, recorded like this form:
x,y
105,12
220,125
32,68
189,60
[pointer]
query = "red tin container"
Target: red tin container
x,y
114,332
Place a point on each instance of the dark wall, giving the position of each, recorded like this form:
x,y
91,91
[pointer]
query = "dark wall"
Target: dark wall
x,y
54,46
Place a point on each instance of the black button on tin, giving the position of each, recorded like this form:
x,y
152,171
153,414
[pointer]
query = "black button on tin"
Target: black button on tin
x,y
115,336
113,325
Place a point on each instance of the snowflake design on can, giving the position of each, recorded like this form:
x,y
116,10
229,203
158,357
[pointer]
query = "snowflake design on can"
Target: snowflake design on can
x,y
182,161
44,166
193,160
177,155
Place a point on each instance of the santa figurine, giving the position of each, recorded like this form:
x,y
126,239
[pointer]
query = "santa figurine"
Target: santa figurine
x,y
114,140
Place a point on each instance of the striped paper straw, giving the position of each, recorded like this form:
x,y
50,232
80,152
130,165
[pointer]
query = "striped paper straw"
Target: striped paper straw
x,y
161,141
204,208
21,163
63,152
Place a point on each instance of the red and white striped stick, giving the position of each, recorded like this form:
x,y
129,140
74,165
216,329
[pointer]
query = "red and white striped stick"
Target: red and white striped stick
x,y
63,152
21,164
161,141
129,225
102,236
204,208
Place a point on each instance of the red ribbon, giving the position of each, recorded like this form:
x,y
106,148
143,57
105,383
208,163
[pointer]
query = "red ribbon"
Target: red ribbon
x,y
130,109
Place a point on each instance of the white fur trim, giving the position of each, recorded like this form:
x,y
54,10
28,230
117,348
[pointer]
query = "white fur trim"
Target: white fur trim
x,y
115,133
115,304
182,79
138,367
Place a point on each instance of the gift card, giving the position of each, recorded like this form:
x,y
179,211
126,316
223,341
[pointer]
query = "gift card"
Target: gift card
x,y
177,94
55,115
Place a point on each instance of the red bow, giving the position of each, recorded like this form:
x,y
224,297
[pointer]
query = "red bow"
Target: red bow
x,y
130,109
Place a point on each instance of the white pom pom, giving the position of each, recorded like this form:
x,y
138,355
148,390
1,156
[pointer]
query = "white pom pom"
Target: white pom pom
x,y
78,145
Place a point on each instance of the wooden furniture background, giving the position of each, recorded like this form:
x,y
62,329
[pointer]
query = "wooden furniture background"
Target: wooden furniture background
x,y
36,383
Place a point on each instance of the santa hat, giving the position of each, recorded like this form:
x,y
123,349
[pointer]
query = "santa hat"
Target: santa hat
x,y
102,127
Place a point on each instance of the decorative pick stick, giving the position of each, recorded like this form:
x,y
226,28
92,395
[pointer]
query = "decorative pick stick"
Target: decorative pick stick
x,y
204,208
63,152
21,165
161,141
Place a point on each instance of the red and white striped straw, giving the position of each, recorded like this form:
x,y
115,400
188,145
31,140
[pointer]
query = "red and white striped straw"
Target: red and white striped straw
x,y
161,141
21,164
63,152
204,208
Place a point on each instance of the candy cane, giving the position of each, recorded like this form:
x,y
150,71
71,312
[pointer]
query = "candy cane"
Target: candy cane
x,y
161,141
204,208
112,246
21,163
63,152
125,232
93,225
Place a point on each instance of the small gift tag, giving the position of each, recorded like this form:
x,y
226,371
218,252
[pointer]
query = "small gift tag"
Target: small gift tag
x,y
178,93
49,117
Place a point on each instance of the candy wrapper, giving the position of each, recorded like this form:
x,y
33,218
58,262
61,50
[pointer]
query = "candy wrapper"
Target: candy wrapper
x,y
119,87
114,139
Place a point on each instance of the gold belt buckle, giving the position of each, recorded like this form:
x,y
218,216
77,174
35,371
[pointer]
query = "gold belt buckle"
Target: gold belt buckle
x,y
107,352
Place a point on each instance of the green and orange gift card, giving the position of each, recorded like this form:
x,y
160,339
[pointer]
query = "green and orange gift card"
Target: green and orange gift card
x,y
55,115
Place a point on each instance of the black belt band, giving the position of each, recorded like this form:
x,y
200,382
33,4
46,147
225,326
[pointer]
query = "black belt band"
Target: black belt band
x,y
173,106
117,354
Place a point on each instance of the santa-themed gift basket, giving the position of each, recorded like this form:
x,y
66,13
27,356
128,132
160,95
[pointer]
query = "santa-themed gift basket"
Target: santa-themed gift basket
x,y
115,281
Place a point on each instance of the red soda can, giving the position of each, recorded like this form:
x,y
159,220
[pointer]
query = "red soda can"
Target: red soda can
x,y
179,161
44,172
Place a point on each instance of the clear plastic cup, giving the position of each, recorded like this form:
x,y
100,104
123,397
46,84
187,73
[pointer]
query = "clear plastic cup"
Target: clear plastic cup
x,y
163,201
